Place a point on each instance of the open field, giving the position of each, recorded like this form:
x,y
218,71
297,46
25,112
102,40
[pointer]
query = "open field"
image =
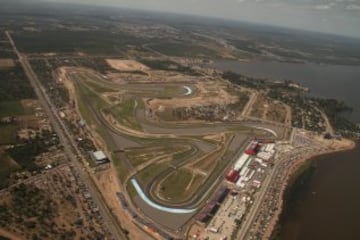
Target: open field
x,y
14,85
22,119
182,49
8,134
277,112
120,167
124,113
55,206
126,65
6,63
6,54
138,156
100,87
268,109
91,42
180,185
7,166
168,65
11,108
147,174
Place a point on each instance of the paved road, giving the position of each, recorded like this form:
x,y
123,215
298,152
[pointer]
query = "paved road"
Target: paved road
x,y
70,147
256,206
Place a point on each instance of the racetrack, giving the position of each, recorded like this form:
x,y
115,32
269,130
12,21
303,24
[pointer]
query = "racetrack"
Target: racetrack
x,y
119,137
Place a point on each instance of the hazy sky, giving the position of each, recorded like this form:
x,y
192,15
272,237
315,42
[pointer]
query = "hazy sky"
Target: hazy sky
x,y
334,16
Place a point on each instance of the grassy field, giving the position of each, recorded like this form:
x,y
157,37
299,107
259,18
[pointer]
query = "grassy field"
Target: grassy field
x,y
92,42
100,88
14,85
155,90
124,113
121,169
209,162
7,165
277,113
258,107
152,171
8,134
180,184
11,108
84,111
185,155
86,99
139,156
182,49
131,190
167,115
172,91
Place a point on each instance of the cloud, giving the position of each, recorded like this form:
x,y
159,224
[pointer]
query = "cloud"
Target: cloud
x,y
352,7
323,7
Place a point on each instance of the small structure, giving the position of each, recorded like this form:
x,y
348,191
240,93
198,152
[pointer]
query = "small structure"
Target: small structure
x,y
241,161
99,157
221,195
82,123
232,176
253,148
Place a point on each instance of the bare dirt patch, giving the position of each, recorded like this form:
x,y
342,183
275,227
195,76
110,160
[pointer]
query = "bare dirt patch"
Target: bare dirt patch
x,y
268,109
107,182
277,112
126,65
6,63
9,235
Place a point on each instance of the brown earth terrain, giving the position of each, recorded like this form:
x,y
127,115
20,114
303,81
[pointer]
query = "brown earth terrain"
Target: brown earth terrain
x,y
6,63
126,65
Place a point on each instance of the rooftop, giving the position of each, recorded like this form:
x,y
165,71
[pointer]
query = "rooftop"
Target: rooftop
x,y
99,155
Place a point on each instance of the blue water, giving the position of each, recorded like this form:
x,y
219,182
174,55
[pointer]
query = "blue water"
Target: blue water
x,y
328,81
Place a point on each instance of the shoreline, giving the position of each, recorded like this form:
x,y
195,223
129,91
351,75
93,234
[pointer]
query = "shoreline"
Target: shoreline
x,y
289,173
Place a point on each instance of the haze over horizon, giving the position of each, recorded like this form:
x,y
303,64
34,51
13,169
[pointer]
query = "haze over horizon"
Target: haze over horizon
x,y
341,17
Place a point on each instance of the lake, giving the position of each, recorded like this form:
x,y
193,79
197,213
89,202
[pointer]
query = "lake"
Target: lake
x,y
328,208
329,81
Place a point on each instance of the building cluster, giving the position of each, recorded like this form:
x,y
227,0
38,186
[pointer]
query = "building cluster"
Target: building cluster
x,y
222,216
212,206
257,154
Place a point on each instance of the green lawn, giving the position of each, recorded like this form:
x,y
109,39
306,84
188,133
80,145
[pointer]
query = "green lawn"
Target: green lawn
x,y
11,108
125,113
88,100
100,88
182,49
121,169
131,190
8,134
138,156
152,171
176,186
7,165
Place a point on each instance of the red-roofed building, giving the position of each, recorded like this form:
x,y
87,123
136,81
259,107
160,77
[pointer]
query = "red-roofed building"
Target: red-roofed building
x,y
232,175
253,148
